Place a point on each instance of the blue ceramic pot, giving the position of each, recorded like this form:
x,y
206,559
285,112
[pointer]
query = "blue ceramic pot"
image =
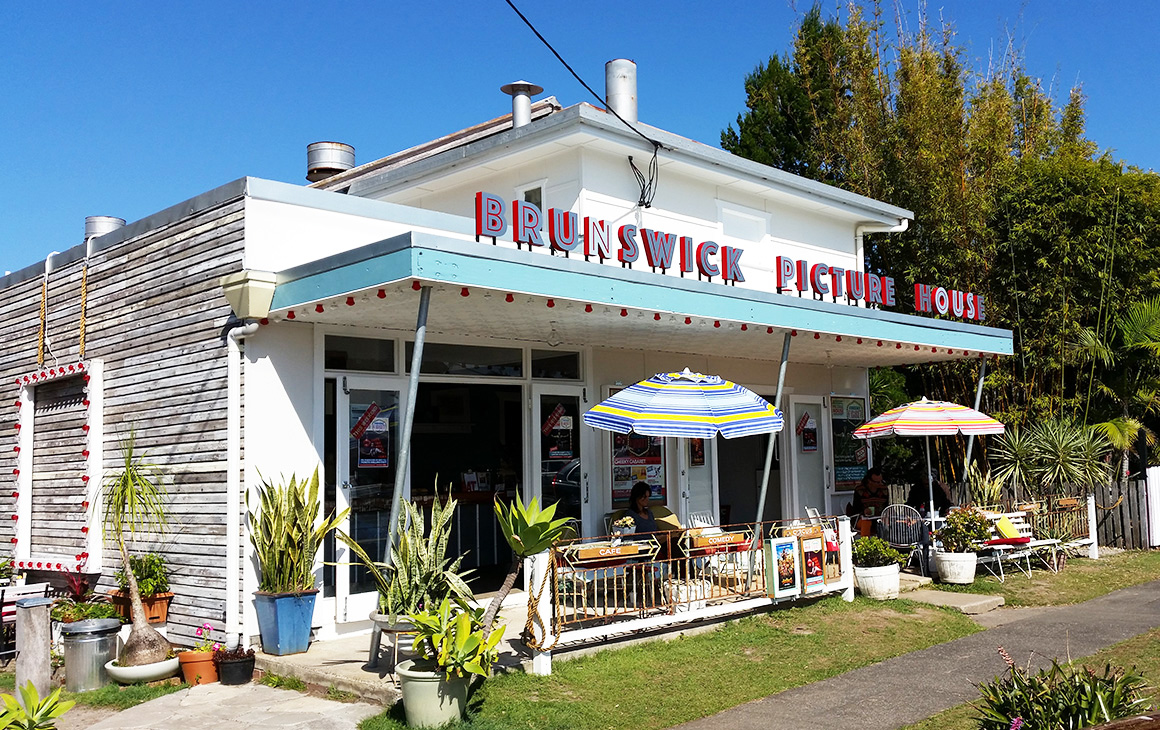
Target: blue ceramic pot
x,y
284,621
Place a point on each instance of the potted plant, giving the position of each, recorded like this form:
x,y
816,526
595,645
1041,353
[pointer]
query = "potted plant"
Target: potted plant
x,y
420,575
964,530
234,666
876,568
80,602
197,664
287,533
452,647
624,526
152,575
134,497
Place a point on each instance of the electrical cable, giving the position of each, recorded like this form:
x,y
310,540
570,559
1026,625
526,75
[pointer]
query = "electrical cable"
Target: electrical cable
x,y
647,187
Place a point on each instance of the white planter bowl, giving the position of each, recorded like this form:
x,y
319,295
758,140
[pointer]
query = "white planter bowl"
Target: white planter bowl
x,y
877,583
144,673
429,699
957,568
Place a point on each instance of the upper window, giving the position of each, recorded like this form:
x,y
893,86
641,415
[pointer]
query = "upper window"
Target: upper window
x,y
443,359
359,353
555,365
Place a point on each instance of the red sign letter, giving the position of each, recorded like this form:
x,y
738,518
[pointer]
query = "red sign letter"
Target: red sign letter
x,y
704,264
489,220
527,223
629,251
562,229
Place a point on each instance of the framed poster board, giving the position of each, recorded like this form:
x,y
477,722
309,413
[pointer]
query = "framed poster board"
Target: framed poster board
x,y
813,555
784,567
850,454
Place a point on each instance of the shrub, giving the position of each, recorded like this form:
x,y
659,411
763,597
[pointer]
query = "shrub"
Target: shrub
x,y
152,575
1059,697
966,528
874,552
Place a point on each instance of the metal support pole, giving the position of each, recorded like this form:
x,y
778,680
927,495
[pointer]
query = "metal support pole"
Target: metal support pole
x,y
408,419
768,459
971,438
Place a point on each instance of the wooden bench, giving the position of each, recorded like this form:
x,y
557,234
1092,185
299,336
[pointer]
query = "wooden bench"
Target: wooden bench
x,y
992,557
9,595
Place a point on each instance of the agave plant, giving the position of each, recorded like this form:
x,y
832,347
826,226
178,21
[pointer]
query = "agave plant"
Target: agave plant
x,y
1051,454
420,574
287,533
528,530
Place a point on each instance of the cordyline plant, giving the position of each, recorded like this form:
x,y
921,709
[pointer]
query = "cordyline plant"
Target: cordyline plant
x,y
529,531
287,533
420,575
134,498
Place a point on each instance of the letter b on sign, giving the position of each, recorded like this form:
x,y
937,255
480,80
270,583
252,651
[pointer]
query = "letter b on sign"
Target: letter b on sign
x,y
489,218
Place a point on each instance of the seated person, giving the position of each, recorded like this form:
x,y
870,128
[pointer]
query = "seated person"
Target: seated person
x,y
920,495
871,496
638,508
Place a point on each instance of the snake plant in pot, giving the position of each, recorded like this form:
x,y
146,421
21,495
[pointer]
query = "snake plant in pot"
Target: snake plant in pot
x,y
452,649
286,533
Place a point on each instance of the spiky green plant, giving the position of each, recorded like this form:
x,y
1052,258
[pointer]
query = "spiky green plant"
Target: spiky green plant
x,y
420,575
31,712
134,499
286,533
452,638
985,490
528,530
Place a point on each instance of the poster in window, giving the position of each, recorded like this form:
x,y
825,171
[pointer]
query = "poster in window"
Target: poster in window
x,y
809,432
637,458
697,452
850,456
812,564
374,445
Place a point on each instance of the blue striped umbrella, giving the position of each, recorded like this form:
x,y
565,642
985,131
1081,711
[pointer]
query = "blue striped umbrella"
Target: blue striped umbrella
x,y
686,404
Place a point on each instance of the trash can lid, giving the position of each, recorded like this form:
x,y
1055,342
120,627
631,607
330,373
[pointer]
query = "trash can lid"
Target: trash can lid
x,y
91,626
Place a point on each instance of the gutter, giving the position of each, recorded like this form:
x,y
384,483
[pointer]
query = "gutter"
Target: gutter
x,y
234,350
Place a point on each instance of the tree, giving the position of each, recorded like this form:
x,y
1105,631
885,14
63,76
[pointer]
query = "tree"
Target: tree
x,y
134,498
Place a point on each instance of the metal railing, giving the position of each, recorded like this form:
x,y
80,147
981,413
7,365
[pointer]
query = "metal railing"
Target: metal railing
x,y
601,580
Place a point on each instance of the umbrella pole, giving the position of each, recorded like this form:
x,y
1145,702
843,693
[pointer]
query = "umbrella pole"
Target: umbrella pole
x,y
408,421
971,438
768,459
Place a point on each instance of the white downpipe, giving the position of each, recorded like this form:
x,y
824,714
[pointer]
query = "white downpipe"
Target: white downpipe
x,y
863,228
233,474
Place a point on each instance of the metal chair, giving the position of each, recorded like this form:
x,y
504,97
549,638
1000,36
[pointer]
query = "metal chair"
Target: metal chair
x,y
903,527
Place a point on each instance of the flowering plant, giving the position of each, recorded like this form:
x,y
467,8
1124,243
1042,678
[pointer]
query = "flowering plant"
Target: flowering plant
x,y
625,521
205,631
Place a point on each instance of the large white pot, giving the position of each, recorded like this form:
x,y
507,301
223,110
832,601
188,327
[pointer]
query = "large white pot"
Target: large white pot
x,y
429,699
958,568
878,583
144,672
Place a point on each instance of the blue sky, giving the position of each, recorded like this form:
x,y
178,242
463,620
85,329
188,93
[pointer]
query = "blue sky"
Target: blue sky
x,y
125,108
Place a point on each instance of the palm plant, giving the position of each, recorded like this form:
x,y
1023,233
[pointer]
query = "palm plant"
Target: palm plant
x,y
134,500
528,530
286,534
420,574
1050,454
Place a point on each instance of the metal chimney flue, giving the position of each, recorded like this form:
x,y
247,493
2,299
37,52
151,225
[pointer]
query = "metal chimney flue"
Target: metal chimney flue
x,y
99,225
521,93
620,88
326,159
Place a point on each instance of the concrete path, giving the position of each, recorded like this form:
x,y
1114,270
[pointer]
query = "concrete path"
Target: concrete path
x,y
221,707
915,686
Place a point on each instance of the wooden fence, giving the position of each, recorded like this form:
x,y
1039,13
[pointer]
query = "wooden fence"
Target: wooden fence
x,y
1122,515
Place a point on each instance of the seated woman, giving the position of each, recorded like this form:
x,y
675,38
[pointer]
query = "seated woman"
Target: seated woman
x,y
638,508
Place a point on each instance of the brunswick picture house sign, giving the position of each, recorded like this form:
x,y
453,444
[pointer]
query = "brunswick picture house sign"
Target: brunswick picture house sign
x,y
707,258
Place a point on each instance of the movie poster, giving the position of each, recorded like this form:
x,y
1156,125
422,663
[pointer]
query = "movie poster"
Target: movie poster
x,y
786,571
637,458
850,454
812,565
371,431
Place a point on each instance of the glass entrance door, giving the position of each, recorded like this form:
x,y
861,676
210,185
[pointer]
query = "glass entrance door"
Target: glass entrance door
x,y
560,442
367,447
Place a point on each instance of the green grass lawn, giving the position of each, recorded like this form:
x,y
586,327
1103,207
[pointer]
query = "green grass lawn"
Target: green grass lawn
x,y
113,696
660,684
1143,652
1080,580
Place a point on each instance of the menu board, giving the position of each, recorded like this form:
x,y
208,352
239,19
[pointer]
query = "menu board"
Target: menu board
x,y
850,456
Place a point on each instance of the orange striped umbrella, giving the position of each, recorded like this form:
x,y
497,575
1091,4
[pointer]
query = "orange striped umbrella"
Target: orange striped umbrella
x,y
929,418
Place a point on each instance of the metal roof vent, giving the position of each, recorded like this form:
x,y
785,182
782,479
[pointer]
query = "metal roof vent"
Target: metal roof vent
x,y
620,88
326,159
99,225
521,93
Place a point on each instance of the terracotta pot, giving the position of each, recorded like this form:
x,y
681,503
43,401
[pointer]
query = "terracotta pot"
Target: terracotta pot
x,y
156,606
197,667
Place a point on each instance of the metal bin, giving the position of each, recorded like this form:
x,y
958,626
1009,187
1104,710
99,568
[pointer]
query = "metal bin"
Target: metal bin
x,y
88,645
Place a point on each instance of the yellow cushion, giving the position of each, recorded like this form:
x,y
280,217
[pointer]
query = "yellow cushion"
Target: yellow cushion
x,y
1006,528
